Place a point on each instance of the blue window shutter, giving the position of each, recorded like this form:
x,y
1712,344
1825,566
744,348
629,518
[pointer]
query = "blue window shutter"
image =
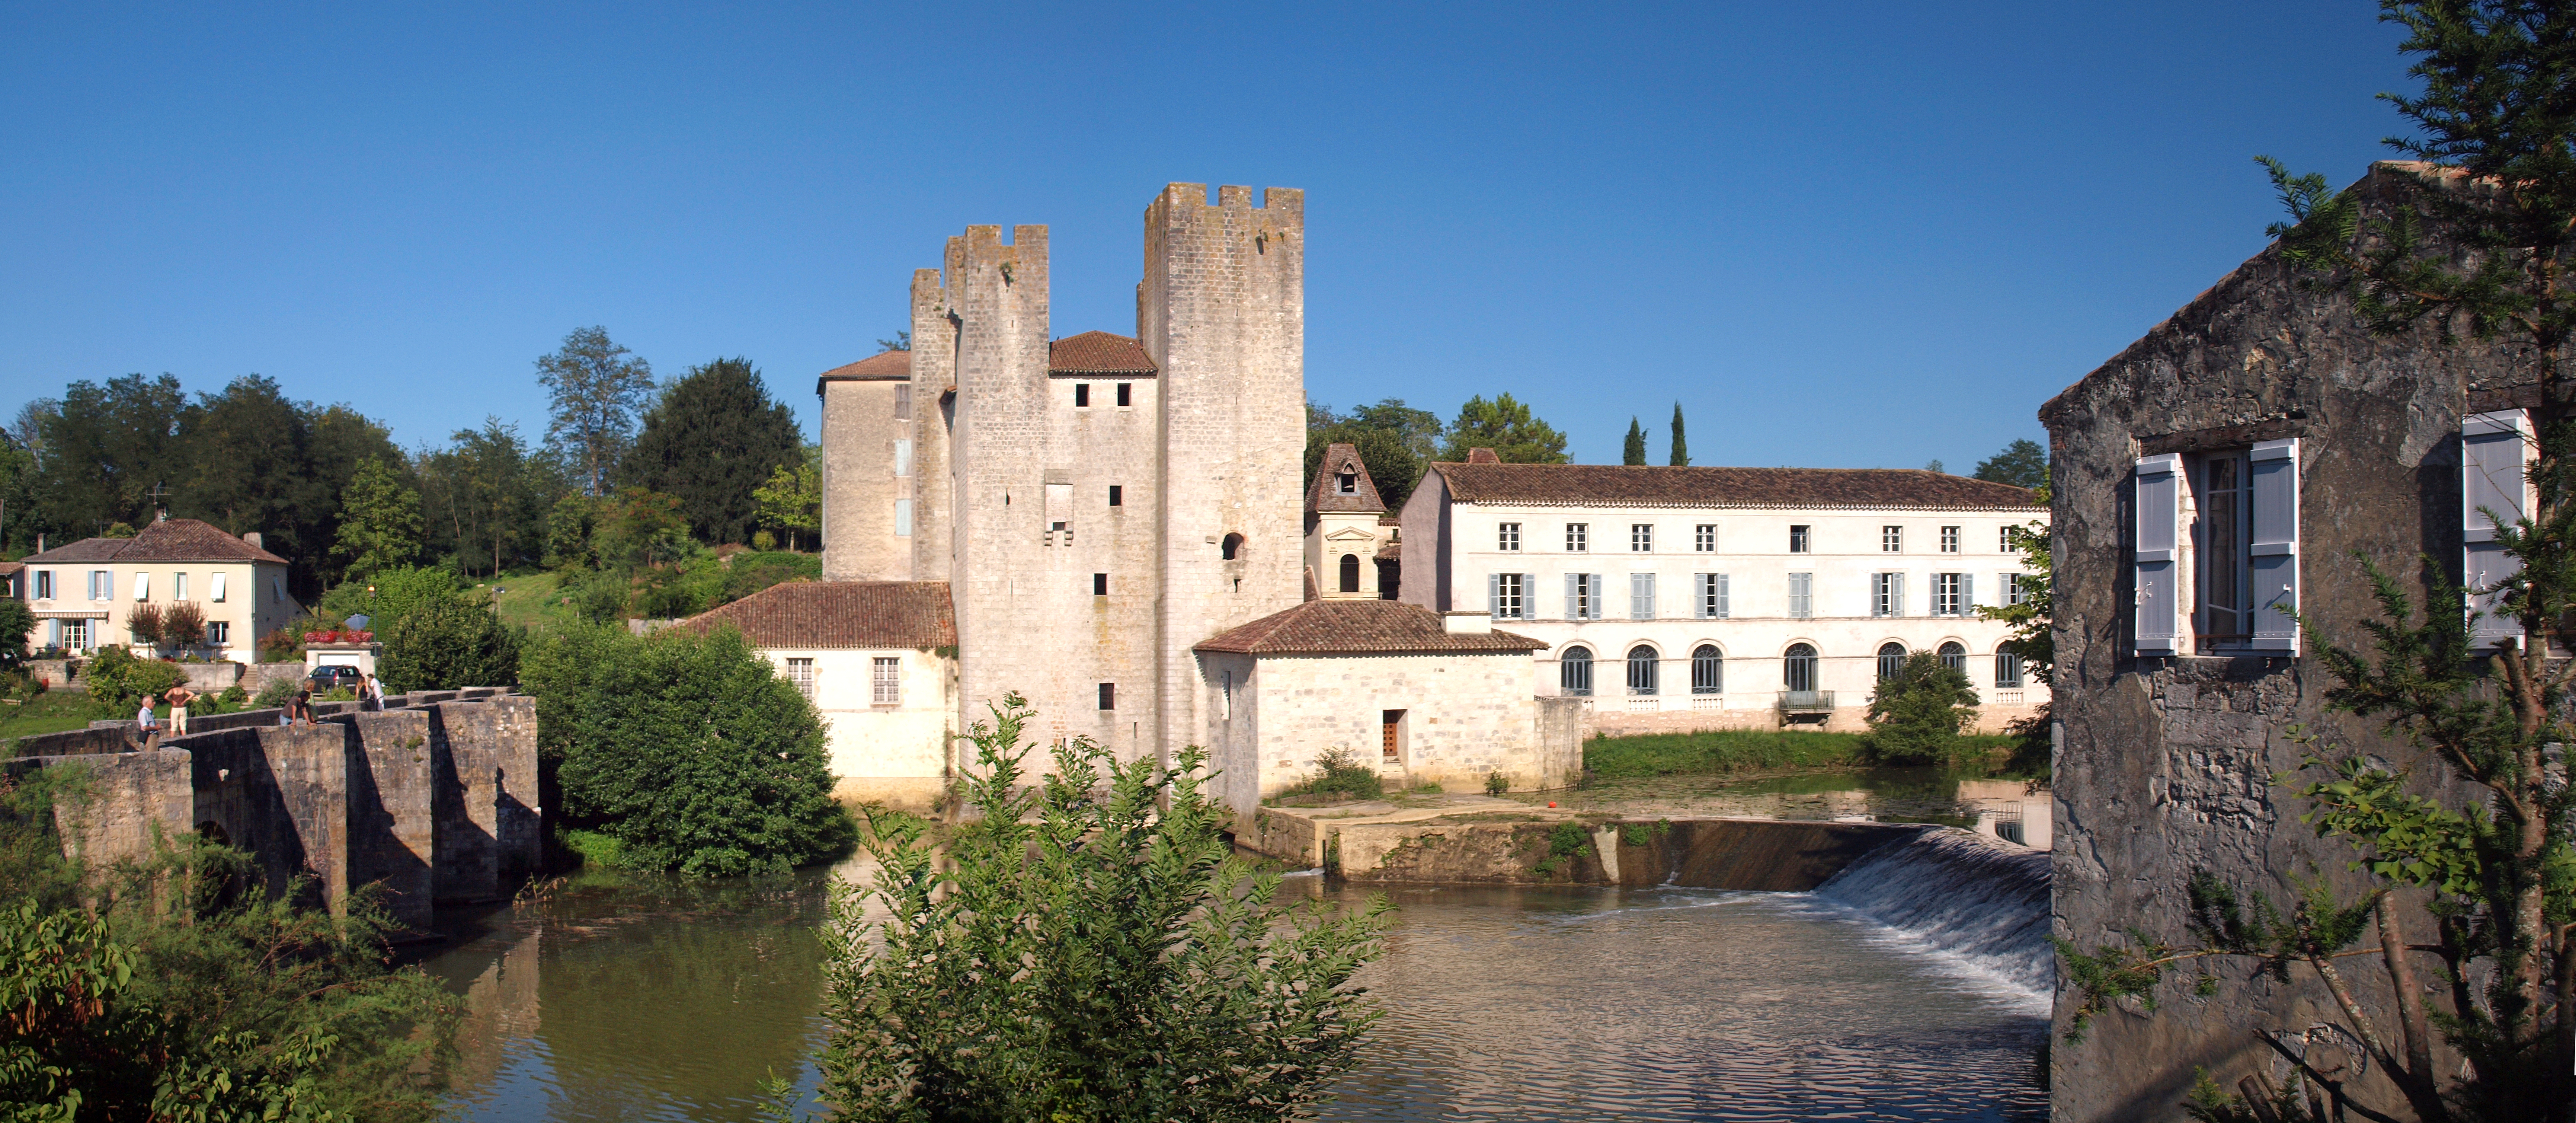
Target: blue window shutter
x,y
1493,594
2275,544
1574,596
1599,589
1529,596
2159,621
1967,594
2495,475
1722,608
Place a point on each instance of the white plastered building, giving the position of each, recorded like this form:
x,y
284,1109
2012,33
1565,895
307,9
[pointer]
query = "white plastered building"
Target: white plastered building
x,y
1683,598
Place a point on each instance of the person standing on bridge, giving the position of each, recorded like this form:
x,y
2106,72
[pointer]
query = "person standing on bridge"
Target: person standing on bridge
x,y
179,696
148,724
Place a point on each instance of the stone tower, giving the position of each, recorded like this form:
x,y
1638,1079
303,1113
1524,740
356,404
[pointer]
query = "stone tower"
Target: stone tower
x,y
1098,504
1223,314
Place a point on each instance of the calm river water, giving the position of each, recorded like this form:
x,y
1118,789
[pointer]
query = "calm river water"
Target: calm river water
x,y
632,997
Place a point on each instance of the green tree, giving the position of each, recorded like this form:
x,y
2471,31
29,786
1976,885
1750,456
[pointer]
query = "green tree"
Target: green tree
x,y
2474,241
639,528
1681,446
118,682
713,439
792,500
1419,429
486,499
1089,947
1915,717
388,595
1507,427
598,387
687,749
17,622
1395,441
380,522
569,527
1632,452
17,490
902,341
448,641
2022,463
107,446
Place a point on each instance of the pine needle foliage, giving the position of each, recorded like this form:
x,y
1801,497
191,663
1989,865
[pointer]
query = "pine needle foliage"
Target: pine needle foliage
x,y
1087,949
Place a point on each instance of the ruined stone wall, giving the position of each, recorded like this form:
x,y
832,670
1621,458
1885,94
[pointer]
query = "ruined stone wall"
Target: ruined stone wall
x,y
2163,764
129,801
1223,314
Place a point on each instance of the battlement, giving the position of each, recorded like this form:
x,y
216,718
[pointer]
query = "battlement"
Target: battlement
x,y
1282,203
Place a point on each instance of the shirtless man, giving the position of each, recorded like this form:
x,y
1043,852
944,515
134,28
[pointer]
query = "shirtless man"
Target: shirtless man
x,y
179,696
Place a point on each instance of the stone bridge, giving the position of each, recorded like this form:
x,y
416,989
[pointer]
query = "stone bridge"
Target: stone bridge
x,y
433,800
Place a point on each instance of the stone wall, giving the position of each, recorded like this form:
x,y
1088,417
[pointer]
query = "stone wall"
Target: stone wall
x,y
2163,765
434,802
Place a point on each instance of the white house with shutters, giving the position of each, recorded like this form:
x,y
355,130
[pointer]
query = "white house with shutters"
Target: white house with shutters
x,y
1696,598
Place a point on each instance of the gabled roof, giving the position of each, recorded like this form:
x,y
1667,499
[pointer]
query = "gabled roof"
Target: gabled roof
x,y
1362,627
810,615
1098,352
1326,496
169,540
1611,485
884,366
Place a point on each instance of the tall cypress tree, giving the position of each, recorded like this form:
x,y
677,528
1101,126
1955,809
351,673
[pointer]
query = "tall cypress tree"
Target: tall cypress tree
x,y
1636,451
1681,447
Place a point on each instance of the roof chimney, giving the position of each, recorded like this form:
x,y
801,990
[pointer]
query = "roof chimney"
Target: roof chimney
x,y
253,539
1482,456
1467,623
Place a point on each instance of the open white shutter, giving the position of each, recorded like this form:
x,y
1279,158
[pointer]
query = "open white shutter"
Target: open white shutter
x,y
1494,595
1967,594
1722,609
1529,596
2159,625
2495,475
2275,545
1574,596
1596,590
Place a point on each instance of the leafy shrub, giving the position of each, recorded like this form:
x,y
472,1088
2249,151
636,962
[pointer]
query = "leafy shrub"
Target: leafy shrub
x,y
448,641
278,692
17,621
1565,842
179,999
281,646
1915,717
398,590
687,749
1337,769
144,621
1087,948
1496,784
1717,751
118,682
183,624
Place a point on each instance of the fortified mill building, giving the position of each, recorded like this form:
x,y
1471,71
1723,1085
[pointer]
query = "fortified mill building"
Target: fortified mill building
x,y
1111,526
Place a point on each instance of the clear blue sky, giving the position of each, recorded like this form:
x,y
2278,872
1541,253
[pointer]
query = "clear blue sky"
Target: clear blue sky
x,y
1857,235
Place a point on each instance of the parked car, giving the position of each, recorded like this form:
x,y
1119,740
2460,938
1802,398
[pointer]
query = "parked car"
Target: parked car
x,y
332,676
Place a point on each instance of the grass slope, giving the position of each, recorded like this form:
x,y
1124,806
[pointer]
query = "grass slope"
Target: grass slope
x,y
1731,750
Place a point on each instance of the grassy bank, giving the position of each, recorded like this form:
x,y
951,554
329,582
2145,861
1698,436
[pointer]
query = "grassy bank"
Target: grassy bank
x,y
51,712
1732,750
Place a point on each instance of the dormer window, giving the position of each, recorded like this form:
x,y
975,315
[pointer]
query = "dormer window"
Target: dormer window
x,y
1348,482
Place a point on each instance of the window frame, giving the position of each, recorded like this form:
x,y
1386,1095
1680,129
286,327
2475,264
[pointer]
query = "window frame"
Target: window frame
x,y
1800,662
1641,538
1802,538
1644,675
1704,538
1887,595
1949,539
219,633
1891,662
1126,394
1578,538
2008,669
1082,395
1802,596
1507,537
800,674
1572,664
1708,670
1891,539
885,680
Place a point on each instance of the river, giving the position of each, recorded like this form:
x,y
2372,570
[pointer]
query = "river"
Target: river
x,y
630,996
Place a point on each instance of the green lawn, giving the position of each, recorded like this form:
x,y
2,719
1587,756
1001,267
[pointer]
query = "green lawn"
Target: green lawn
x,y
51,712
1731,750
531,600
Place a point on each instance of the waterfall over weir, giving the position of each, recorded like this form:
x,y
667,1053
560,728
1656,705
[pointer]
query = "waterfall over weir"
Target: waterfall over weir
x,y
1981,898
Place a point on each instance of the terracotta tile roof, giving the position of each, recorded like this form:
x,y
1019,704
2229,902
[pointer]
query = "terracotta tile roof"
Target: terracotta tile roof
x,y
1098,352
805,615
1392,551
1325,496
1610,485
884,366
170,540
1361,627
10,567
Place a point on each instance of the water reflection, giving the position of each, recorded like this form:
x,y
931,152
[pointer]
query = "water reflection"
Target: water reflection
x,y
2016,810
650,998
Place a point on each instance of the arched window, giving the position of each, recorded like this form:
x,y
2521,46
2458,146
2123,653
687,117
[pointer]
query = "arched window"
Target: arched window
x,y
1233,547
1350,573
1708,670
1954,657
1891,660
1574,672
1348,482
2008,668
1641,669
1798,668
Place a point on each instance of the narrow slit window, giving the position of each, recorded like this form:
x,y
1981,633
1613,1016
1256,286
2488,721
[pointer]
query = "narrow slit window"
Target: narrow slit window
x,y
1081,395
1099,584
1117,495
1125,395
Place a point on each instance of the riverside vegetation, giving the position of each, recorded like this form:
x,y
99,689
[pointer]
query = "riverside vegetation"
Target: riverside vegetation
x,y
1088,948
2485,870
